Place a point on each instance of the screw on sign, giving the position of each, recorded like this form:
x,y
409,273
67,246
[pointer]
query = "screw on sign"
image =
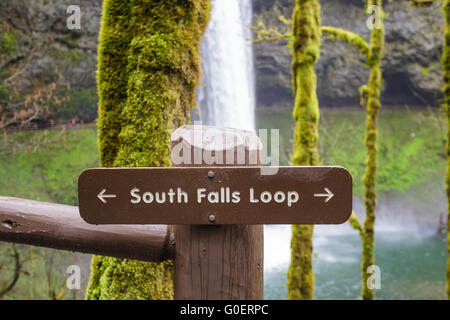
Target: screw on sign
x,y
218,208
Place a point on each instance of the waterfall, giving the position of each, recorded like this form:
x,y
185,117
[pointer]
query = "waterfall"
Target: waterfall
x,y
226,92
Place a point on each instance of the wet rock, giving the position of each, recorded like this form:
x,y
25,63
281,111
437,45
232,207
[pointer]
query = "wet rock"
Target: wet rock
x,y
412,73
44,48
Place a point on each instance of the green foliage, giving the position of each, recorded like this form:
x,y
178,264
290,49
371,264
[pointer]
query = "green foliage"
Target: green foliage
x,y
43,273
4,94
149,65
47,162
411,151
7,42
404,138
81,105
411,145
306,50
44,165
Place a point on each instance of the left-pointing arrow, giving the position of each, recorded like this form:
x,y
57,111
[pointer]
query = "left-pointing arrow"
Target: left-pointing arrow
x,y
102,195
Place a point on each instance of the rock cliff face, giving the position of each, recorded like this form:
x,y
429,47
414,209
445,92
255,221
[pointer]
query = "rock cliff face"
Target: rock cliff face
x,y
37,48
44,45
412,71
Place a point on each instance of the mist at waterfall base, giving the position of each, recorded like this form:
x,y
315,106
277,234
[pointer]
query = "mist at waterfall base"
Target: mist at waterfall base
x,y
411,258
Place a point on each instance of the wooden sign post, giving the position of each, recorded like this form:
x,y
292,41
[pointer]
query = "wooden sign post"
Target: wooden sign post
x,y
217,261
217,196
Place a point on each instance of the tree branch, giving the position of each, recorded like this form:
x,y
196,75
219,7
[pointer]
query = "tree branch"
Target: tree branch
x,y
270,34
354,222
351,38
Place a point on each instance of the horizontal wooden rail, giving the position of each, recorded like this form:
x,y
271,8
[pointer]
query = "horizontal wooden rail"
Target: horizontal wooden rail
x,y
61,227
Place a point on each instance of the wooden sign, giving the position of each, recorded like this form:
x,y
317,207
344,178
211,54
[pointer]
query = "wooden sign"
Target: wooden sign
x,y
215,195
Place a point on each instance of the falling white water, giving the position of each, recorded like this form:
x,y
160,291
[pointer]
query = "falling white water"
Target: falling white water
x,y
226,98
226,93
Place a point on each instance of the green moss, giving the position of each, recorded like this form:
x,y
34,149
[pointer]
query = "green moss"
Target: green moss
x,y
4,94
354,223
7,43
121,279
372,103
47,162
300,275
149,65
425,71
80,104
306,50
351,38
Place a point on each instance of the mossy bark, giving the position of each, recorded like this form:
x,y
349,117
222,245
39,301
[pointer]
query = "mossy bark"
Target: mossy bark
x,y
149,65
306,50
446,69
349,37
371,99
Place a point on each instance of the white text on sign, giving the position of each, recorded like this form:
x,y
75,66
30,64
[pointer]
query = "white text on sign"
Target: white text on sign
x,y
224,195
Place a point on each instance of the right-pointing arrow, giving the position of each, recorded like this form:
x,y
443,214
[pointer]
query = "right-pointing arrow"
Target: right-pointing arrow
x,y
328,194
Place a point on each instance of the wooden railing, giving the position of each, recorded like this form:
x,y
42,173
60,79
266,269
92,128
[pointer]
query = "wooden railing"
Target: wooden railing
x,y
61,227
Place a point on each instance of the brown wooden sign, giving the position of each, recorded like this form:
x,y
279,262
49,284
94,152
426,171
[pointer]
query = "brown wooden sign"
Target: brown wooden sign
x,y
215,195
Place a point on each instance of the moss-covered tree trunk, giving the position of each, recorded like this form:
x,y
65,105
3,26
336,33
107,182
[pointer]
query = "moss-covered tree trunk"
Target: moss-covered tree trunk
x,y
446,69
370,96
147,77
370,99
306,49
